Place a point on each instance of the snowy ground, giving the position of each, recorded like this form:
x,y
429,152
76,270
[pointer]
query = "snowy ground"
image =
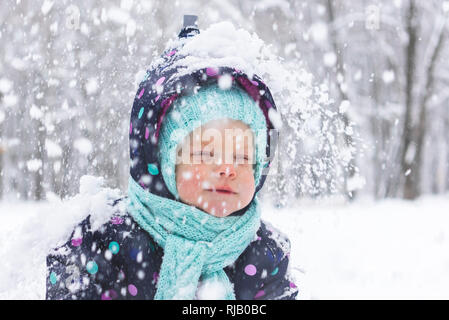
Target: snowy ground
x,y
385,250
390,249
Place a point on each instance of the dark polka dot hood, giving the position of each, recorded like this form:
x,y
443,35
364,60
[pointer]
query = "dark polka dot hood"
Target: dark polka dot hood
x,y
120,260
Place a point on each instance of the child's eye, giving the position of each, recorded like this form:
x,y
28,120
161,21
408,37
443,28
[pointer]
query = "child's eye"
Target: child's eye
x,y
202,155
242,158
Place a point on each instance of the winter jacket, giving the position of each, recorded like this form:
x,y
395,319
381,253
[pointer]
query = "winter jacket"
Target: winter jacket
x,y
120,260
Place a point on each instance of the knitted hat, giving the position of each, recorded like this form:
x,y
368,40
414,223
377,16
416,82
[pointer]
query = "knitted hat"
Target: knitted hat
x,y
209,103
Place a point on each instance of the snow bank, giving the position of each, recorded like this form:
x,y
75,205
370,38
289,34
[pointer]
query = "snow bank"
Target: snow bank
x,y
390,249
30,230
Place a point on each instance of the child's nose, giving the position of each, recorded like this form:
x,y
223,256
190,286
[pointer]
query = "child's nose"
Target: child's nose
x,y
226,170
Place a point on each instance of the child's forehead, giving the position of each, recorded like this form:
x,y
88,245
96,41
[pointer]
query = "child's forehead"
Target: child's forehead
x,y
223,124
221,129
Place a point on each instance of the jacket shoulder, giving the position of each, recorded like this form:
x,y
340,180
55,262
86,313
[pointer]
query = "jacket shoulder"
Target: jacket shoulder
x,y
278,284
277,242
89,259
90,228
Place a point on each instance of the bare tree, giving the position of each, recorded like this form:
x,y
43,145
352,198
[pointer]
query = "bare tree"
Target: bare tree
x,y
408,145
340,71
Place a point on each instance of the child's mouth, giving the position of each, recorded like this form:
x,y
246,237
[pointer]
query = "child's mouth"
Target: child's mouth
x,y
222,191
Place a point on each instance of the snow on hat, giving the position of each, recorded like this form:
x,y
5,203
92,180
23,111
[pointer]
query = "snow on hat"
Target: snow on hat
x,y
209,103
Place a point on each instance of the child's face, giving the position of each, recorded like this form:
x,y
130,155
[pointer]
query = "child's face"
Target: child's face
x,y
218,154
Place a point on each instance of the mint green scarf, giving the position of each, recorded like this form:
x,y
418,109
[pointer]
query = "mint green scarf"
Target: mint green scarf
x,y
197,245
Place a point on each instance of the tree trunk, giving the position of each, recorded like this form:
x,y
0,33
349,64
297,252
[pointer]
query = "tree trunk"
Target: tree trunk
x,y
422,124
39,193
349,172
446,132
408,145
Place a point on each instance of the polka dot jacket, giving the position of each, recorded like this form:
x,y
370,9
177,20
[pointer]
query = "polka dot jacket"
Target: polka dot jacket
x,y
121,261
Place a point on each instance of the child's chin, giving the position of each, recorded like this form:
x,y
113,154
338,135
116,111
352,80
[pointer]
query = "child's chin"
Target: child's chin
x,y
219,214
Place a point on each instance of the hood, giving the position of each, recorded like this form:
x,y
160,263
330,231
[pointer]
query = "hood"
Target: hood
x,y
168,78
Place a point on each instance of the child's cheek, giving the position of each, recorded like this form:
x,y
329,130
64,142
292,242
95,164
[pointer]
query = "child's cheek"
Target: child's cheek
x,y
189,181
248,186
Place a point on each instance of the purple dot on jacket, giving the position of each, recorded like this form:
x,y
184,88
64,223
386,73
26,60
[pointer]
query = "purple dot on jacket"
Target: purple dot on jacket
x,y
109,295
77,242
105,296
155,277
211,72
160,81
259,238
254,83
132,290
292,285
116,220
147,133
171,53
130,127
259,294
250,270
141,93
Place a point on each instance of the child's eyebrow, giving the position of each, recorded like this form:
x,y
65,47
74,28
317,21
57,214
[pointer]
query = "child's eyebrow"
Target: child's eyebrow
x,y
207,142
211,143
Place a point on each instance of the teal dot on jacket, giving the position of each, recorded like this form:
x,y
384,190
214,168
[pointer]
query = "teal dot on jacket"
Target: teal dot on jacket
x,y
209,103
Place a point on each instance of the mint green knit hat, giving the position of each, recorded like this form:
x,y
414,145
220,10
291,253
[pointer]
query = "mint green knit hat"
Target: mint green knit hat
x,y
209,103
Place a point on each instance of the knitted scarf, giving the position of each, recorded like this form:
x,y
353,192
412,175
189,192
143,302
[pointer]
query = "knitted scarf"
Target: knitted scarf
x,y
197,245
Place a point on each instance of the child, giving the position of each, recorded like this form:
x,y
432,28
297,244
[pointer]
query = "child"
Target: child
x,y
192,228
